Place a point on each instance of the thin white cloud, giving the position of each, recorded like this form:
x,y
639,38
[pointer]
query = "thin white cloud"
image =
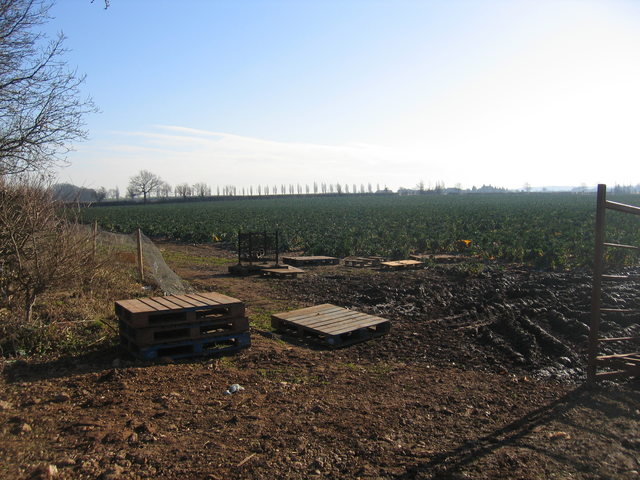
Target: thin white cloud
x,y
220,158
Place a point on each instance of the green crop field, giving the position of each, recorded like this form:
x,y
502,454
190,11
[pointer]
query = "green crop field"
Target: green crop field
x,y
543,230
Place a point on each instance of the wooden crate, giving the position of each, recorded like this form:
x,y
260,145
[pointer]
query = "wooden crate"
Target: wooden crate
x,y
177,309
332,325
310,260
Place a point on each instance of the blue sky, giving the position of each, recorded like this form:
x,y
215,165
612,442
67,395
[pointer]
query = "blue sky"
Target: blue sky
x,y
252,92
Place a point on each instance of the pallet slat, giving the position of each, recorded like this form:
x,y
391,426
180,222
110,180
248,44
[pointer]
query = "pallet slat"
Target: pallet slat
x,y
308,311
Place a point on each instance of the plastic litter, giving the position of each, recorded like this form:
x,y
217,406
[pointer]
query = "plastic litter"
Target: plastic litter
x,y
233,389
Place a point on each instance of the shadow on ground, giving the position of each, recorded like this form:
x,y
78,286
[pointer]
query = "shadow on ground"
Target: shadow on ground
x,y
602,403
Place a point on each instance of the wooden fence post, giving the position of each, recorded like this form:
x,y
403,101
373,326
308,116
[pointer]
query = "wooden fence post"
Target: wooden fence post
x,y
95,239
140,260
596,292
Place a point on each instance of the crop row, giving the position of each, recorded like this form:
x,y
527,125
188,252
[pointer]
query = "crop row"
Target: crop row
x,y
543,230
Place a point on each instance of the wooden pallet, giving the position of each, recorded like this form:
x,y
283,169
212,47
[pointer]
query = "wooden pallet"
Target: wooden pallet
x,y
401,264
176,309
439,257
188,349
334,326
182,332
310,260
282,272
249,269
362,262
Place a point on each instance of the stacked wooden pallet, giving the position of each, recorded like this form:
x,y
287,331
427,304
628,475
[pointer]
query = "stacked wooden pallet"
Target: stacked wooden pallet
x,y
180,326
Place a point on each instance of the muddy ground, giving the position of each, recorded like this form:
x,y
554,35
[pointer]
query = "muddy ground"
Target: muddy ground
x,y
480,377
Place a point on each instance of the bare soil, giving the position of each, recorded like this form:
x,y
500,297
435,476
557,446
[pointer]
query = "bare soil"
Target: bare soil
x,y
481,377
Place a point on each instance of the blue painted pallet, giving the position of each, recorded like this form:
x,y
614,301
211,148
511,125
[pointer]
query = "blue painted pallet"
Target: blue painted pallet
x,y
193,348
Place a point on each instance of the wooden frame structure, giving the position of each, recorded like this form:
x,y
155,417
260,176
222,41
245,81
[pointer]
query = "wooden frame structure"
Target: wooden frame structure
x,y
258,247
625,364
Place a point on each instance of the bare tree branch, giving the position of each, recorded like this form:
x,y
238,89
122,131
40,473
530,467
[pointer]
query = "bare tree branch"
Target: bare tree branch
x,y
41,112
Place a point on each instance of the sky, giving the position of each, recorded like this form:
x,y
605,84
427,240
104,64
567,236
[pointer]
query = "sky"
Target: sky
x,y
388,92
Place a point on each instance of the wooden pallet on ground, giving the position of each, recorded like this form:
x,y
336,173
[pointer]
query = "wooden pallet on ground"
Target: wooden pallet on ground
x,y
362,262
334,326
282,272
310,260
176,309
439,257
249,269
400,264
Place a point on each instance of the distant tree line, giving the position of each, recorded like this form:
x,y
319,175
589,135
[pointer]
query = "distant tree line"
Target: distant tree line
x,y
146,185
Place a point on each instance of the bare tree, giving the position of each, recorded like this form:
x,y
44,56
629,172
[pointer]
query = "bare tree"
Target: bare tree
x,y
183,190
101,194
201,189
164,190
144,182
131,194
41,113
